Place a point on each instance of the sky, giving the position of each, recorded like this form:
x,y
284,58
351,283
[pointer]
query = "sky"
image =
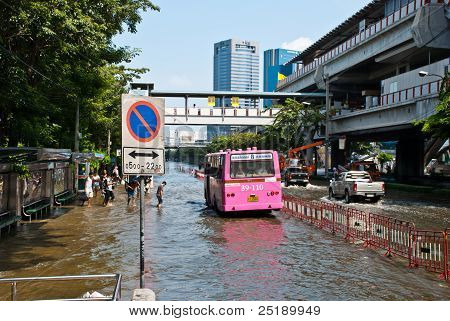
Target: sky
x,y
177,42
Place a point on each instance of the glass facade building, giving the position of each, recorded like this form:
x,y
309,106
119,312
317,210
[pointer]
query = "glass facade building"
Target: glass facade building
x,y
274,64
236,68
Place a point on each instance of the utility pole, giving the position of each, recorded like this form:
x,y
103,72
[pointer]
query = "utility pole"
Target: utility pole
x,y
327,123
108,148
77,127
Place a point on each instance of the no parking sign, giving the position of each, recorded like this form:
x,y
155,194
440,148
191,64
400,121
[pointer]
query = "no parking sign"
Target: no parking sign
x,y
142,135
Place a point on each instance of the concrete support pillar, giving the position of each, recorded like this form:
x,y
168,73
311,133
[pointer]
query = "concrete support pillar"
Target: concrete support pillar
x,y
410,157
338,156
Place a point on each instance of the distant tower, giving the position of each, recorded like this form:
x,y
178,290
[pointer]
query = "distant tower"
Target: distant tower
x,y
236,68
275,68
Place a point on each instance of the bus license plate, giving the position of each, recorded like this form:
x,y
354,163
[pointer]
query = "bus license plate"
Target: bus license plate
x,y
252,198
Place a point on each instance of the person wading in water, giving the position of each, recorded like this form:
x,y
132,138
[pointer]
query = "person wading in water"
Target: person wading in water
x,y
159,193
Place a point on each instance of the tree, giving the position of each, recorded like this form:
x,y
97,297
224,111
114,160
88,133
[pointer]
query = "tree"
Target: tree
x,y
384,158
295,124
235,141
438,124
364,148
56,54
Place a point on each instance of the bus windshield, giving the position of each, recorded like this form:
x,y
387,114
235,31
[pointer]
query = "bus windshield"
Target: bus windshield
x,y
249,169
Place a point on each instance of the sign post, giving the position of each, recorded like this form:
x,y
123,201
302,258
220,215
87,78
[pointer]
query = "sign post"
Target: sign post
x,y
142,150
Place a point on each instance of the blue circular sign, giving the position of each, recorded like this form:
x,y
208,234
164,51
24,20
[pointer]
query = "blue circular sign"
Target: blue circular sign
x,y
143,121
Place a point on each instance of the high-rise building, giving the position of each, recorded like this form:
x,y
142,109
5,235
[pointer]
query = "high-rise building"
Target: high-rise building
x,y
275,68
236,68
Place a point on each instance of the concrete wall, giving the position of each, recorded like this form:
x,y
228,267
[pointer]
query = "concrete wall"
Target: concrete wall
x,y
411,79
41,185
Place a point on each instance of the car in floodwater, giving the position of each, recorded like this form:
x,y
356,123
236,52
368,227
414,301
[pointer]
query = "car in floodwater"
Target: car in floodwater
x,y
355,185
295,176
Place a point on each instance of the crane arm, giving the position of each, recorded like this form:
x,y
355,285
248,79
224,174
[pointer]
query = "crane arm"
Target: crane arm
x,y
292,151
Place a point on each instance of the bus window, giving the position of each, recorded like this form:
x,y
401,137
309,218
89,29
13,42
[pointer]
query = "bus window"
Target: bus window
x,y
257,168
220,167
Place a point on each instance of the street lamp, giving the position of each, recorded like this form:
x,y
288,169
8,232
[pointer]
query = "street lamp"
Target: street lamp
x,y
423,74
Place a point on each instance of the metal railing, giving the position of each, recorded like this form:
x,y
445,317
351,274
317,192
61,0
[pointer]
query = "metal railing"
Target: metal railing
x,y
116,295
221,112
411,93
357,39
400,96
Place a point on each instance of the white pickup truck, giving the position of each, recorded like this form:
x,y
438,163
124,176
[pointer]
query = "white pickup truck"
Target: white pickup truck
x,y
356,184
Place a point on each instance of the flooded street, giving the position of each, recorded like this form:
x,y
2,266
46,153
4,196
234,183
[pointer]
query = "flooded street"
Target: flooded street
x,y
426,210
194,254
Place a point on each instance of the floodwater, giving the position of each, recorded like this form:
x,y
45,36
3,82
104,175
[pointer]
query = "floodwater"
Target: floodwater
x,y
426,210
194,254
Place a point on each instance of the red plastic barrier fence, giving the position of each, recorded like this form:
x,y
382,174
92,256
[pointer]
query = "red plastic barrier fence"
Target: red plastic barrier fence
x,y
427,249
379,231
447,251
327,217
340,220
357,225
400,238
430,250
392,235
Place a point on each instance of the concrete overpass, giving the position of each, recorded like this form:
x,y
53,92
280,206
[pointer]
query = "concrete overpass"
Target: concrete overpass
x,y
220,116
371,63
225,115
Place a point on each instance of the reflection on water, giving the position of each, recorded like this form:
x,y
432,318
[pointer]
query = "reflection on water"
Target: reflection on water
x,y
194,254
249,256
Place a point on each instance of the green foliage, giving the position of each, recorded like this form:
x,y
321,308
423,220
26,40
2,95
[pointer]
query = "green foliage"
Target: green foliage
x,y
293,123
363,148
187,155
20,169
438,124
55,54
235,141
384,157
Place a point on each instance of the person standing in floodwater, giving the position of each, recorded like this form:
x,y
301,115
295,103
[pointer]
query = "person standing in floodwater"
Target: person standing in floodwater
x,y
97,182
109,195
131,188
88,189
160,193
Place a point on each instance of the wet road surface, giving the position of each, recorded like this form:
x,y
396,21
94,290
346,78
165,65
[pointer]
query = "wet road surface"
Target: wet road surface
x,y
194,254
426,210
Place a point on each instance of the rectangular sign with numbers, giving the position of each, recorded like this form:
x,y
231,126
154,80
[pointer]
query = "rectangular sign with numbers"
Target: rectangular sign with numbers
x,y
142,135
143,161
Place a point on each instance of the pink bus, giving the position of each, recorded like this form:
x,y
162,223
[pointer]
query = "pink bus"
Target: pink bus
x,y
246,180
